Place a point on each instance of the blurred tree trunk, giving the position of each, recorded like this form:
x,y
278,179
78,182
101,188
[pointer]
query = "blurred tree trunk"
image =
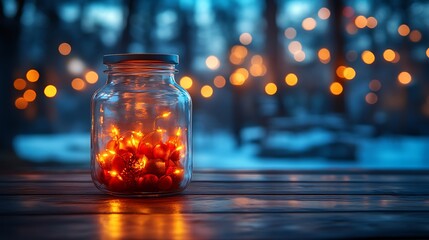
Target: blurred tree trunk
x,y
272,50
10,29
339,102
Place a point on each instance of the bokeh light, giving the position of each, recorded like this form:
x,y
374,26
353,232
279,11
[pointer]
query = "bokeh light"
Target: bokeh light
x,y
291,79
324,13
404,78
186,82
78,84
371,22
371,98
299,56
368,57
19,84
64,49
91,77
206,91
20,103
349,73
50,91
246,38
415,36
403,30
238,53
212,62
32,75
270,88
294,47
375,85
389,55
219,81
340,71
324,55
29,95
427,52
336,88
361,21
309,24
290,33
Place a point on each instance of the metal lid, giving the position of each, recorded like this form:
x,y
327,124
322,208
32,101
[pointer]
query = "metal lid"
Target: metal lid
x,y
117,58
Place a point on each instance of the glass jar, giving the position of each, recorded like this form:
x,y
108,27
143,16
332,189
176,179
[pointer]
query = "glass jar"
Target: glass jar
x,y
141,142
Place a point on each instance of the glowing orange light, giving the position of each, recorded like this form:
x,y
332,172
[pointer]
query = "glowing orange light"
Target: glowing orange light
x,y
309,24
212,62
115,131
186,82
50,91
389,55
371,22
238,53
166,114
368,57
64,49
361,21
375,85
78,84
290,33
324,55
336,88
427,52
257,70
257,59
219,81
340,71
324,13
403,30
29,95
206,91
270,88
404,78
20,103
349,73
19,84
32,75
291,79
91,77
415,36
371,98
239,76
245,38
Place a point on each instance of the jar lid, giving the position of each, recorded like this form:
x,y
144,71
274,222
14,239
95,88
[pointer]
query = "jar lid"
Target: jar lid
x,y
117,58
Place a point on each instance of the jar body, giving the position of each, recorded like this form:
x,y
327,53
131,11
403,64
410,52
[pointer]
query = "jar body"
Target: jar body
x,y
141,138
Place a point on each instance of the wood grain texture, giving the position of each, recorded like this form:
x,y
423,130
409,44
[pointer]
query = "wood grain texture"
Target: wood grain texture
x,y
221,205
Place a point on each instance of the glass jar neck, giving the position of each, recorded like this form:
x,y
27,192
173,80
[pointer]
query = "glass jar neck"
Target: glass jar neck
x,y
141,71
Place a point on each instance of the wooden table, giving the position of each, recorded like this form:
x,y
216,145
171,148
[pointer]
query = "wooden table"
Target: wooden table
x,y
221,205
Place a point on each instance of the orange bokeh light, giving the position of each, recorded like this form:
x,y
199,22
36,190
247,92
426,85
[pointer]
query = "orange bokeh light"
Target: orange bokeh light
x,y
389,55
324,13
78,84
404,78
19,84
371,22
29,95
403,30
270,88
291,79
219,81
64,49
212,62
20,103
206,91
324,55
246,38
32,75
368,57
415,36
309,24
336,88
186,82
91,77
361,21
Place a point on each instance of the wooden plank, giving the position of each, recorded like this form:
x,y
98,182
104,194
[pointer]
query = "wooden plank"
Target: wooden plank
x,y
233,188
286,176
218,226
84,204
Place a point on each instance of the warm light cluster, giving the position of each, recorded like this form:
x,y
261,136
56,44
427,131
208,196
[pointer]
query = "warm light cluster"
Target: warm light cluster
x,y
238,54
362,22
347,73
257,67
137,162
239,76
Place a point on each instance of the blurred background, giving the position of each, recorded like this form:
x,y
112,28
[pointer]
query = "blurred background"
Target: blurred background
x,y
287,84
